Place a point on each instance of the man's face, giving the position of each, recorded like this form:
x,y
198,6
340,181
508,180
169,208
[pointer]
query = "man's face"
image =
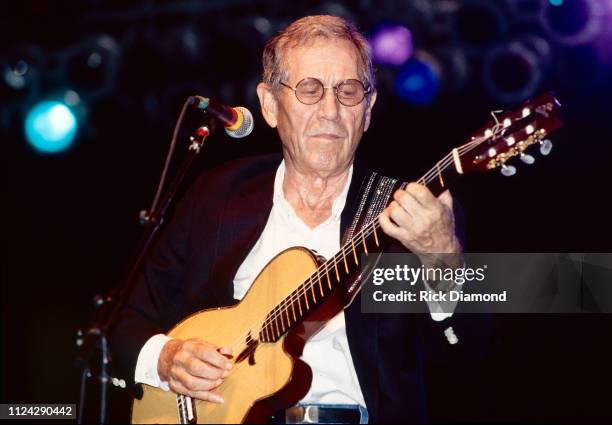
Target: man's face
x,y
323,137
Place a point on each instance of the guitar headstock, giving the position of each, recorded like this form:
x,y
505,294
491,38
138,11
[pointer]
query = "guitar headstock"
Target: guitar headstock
x,y
511,135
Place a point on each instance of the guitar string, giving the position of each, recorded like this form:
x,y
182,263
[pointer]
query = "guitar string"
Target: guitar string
x,y
366,232
304,288
307,286
269,318
426,178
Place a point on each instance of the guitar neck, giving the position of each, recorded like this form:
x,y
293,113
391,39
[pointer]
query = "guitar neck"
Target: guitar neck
x,y
335,272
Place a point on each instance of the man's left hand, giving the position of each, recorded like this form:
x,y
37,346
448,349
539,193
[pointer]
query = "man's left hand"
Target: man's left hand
x,y
422,223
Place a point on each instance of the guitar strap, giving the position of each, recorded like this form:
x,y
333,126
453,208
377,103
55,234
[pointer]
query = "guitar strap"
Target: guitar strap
x,y
373,200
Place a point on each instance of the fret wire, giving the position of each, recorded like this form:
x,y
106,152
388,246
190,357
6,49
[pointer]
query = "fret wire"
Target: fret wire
x,y
306,297
448,160
282,322
268,330
354,251
314,297
293,310
363,242
320,284
328,279
336,267
375,236
440,174
288,319
277,334
300,305
344,258
273,316
433,171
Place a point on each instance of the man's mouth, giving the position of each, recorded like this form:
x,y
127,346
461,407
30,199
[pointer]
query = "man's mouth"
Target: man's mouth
x,y
326,136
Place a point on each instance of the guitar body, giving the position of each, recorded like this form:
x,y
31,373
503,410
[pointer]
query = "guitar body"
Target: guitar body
x,y
268,379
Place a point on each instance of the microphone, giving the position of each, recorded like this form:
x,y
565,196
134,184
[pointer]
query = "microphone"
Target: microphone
x,y
238,121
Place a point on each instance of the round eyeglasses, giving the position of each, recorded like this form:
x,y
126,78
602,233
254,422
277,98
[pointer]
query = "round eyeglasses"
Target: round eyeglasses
x,y
311,90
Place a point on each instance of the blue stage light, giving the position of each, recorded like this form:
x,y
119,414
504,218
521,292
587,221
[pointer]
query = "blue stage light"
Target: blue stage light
x,y
417,82
50,126
555,2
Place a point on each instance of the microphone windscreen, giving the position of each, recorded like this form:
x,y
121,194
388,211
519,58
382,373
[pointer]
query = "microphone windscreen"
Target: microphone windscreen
x,y
247,124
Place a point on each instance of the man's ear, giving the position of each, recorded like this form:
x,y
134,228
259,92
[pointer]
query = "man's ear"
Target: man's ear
x,y
268,104
368,112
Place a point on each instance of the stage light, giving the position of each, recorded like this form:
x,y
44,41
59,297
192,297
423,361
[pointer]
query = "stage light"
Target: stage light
x,y
391,44
479,24
575,22
91,66
263,25
14,76
418,81
512,73
20,72
51,126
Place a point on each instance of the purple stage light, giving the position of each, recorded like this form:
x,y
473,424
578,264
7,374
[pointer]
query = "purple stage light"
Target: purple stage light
x,y
391,45
574,23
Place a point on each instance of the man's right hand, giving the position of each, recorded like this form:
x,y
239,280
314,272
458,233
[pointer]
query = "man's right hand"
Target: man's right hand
x,y
194,367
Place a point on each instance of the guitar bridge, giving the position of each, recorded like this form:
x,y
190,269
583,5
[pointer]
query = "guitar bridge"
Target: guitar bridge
x,y
186,410
249,351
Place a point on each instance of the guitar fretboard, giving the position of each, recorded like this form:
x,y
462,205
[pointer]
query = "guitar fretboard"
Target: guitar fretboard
x,y
344,264
321,284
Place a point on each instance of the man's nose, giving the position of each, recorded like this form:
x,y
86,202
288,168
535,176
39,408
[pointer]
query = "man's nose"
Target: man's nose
x,y
329,105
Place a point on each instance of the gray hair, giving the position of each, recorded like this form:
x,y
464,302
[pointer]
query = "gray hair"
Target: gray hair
x,y
304,31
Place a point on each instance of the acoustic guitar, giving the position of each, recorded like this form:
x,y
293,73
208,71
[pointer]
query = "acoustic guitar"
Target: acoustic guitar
x,y
266,329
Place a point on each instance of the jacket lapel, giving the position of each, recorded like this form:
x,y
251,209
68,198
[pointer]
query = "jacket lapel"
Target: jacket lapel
x,y
242,221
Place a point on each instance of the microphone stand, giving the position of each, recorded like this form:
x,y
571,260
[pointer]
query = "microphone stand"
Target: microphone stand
x,y
94,338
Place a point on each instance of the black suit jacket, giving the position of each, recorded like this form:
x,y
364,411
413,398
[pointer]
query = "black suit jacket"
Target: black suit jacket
x,y
192,265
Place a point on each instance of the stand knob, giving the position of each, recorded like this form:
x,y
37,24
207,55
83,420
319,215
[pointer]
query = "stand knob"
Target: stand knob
x,y
143,217
451,337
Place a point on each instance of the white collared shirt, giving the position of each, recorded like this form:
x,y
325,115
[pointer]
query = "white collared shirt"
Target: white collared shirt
x,y
327,352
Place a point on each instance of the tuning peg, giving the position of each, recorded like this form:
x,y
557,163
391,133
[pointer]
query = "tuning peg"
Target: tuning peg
x,y
545,147
527,159
508,170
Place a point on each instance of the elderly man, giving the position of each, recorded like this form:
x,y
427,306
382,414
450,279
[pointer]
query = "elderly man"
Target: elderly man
x,y
318,91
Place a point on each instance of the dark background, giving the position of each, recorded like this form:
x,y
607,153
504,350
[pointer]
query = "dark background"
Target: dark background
x,y
70,223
